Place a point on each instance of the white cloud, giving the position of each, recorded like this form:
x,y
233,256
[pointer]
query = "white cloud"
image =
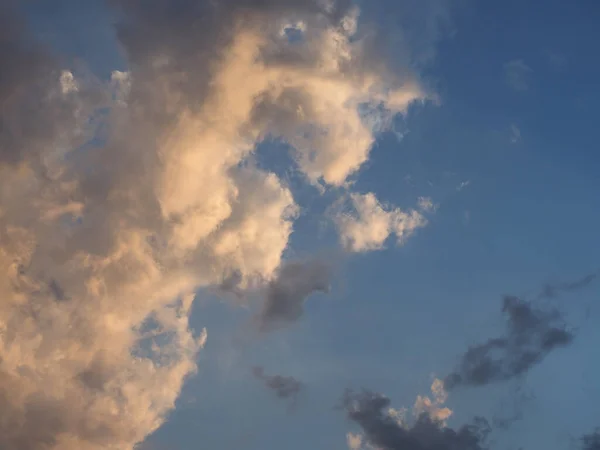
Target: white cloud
x,y
370,223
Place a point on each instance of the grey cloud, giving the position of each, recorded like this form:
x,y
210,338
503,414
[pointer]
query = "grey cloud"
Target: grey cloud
x,y
370,411
284,387
531,334
553,290
591,441
295,282
518,74
35,114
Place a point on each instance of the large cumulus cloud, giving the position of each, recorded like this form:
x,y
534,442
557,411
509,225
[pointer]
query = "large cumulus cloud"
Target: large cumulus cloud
x,y
119,199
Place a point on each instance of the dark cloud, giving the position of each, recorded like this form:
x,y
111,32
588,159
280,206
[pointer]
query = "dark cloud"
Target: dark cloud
x,y
35,113
553,290
591,441
286,294
531,334
369,411
283,386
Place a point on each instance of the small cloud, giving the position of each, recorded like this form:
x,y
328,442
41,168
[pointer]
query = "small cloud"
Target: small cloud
x,y
284,387
433,408
515,134
371,223
463,185
354,441
286,294
551,290
531,334
556,59
467,217
518,74
67,82
426,205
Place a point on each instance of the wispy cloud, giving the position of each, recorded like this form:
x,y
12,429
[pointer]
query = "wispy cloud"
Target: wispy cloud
x,y
463,185
515,134
531,334
518,75
284,387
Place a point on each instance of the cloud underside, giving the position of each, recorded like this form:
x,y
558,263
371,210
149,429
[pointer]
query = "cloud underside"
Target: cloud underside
x,y
120,199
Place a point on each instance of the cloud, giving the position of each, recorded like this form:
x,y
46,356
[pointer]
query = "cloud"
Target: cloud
x,y
531,334
515,134
284,387
287,292
433,408
553,290
308,93
368,226
591,441
424,408
382,430
141,190
518,74
463,185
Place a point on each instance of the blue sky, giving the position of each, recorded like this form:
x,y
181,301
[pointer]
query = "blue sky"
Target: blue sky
x,y
508,155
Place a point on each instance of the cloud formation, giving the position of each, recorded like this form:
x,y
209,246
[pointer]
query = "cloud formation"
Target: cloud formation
x,y
289,289
531,334
284,387
369,224
141,190
382,429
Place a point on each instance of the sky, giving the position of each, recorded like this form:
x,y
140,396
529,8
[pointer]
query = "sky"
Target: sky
x,y
290,224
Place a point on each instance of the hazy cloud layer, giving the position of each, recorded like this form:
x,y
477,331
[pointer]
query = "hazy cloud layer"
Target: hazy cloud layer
x,y
139,191
287,292
531,334
383,430
284,387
